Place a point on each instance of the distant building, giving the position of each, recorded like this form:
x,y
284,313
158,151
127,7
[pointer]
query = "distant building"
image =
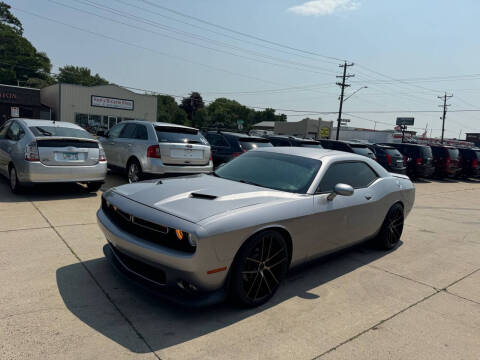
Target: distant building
x,y
474,138
98,107
306,128
370,135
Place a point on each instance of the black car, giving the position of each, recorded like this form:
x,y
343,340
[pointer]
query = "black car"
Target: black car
x,y
228,145
446,160
390,158
469,159
419,159
284,140
348,146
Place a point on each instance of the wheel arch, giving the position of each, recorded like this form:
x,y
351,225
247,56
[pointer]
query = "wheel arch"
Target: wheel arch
x,y
133,158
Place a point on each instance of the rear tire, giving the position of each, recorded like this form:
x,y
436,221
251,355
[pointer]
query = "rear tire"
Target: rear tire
x,y
392,228
94,186
260,266
14,183
134,171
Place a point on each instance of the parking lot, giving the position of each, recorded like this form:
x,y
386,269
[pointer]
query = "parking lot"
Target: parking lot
x,y
60,297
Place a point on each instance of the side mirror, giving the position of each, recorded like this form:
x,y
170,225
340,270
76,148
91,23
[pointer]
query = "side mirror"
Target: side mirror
x,y
341,189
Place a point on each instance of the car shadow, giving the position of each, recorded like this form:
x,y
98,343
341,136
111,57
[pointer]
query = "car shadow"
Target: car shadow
x,y
164,324
421,181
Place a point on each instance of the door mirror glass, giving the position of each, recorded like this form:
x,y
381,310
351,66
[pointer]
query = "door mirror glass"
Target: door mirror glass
x,y
342,190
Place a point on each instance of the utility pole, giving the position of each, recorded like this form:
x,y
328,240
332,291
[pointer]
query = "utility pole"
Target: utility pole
x,y
343,85
445,106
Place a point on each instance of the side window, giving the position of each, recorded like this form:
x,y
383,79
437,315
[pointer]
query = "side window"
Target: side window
x,y
141,132
115,131
3,129
128,132
355,173
15,132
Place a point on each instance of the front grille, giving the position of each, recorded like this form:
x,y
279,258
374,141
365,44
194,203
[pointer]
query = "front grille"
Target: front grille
x,y
146,230
140,268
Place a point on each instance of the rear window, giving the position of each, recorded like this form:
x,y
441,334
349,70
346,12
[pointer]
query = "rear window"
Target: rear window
x,y
311,144
392,152
60,131
166,134
453,153
249,144
426,151
363,150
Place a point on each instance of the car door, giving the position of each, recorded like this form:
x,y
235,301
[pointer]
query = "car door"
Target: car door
x,y
109,144
4,156
345,219
125,144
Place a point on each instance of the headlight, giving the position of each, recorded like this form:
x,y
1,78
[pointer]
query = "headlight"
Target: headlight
x,y
192,241
182,235
179,234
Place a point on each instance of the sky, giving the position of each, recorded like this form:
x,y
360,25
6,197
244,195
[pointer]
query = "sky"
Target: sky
x,y
283,54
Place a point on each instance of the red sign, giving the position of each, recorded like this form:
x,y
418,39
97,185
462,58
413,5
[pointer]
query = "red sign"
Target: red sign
x,y
8,96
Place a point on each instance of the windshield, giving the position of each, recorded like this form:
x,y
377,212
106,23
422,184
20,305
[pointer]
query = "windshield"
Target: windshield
x,y
363,150
270,170
60,131
453,153
393,152
166,134
253,144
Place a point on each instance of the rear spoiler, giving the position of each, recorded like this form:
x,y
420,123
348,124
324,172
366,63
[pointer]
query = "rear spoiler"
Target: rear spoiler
x,y
65,138
401,176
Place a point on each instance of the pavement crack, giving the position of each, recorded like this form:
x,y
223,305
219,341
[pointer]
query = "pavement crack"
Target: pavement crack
x,y
403,277
107,295
461,297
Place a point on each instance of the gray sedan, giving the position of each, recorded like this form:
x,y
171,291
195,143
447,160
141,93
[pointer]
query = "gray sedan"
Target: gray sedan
x,y
239,230
44,151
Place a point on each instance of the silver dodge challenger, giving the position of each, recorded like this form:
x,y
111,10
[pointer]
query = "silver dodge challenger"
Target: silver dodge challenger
x,y
238,231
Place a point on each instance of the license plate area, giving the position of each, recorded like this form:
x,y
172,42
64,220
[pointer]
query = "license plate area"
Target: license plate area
x,y
70,156
186,154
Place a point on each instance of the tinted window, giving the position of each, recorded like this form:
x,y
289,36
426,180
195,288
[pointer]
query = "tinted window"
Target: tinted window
x,y
60,131
128,132
167,134
249,145
340,147
141,133
217,140
310,144
360,150
356,174
280,142
270,170
4,128
392,152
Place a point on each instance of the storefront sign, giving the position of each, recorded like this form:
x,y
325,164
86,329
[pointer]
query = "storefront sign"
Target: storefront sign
x,y
15,112
8,96
107,102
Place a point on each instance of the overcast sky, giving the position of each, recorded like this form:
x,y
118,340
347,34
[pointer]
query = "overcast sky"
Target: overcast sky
x,y
431,45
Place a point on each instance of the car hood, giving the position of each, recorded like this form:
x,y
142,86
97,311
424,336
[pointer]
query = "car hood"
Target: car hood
x,y
195,198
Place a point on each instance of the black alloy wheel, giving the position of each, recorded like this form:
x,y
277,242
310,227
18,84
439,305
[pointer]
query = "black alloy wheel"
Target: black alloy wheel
x,y
260,267
134,171
392,228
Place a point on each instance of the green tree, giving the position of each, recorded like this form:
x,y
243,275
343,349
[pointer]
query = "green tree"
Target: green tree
x,y
80,76
169,111
225,113
191,105
8,19
20,62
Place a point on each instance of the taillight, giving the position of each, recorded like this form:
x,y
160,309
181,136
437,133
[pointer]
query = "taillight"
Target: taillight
x,y
31,152
235,154
419,161
447,161
211,158
101,155
389,159
475,163
153,151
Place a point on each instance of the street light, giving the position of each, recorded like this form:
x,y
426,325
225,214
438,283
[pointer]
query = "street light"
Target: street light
x,y
348,97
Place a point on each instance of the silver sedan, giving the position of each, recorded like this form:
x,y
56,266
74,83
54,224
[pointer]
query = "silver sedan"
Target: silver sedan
x,y
44,151
239,230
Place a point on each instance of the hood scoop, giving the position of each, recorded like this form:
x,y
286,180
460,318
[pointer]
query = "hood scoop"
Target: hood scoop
x,y
202,196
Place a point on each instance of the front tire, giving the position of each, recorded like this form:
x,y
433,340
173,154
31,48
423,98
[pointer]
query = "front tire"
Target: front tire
x,y
392,228
260,266
14,183
134,171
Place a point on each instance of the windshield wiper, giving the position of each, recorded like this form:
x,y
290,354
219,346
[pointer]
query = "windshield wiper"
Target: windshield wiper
x,y
43,131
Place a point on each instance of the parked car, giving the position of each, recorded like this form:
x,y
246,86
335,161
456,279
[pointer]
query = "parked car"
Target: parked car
x,y
390,158
469,161
44,151
239,230
419,159
446,160
348,146
284,140
228,145
144,149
